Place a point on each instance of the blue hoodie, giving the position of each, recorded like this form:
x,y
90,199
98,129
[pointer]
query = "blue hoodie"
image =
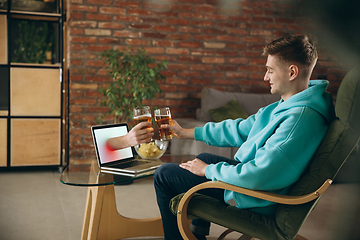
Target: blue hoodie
x,y
275,145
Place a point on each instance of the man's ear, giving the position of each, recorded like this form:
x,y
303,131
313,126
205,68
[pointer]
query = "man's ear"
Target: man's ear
x,y
294,72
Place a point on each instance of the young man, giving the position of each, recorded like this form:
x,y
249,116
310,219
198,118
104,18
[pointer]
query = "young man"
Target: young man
x,y
275,144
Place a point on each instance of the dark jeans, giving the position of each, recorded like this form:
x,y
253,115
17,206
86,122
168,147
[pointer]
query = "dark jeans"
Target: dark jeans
x,y
171,180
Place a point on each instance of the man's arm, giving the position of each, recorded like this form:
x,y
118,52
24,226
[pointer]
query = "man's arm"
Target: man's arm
x,y
180,132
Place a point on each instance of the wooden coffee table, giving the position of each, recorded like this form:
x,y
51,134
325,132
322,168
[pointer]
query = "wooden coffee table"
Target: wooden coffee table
x,y
102,220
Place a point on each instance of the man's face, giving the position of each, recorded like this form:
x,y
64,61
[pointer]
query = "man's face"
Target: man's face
x,y
278,75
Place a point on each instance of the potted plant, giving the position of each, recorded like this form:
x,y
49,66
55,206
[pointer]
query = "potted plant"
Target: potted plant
x,y
135,77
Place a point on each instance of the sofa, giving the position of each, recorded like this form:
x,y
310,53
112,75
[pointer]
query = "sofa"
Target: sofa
x,y
214,102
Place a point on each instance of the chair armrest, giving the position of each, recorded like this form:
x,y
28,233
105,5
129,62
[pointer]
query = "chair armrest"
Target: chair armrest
x,y
273,197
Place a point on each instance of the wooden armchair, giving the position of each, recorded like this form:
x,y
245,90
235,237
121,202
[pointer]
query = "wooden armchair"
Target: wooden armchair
x,y
340,140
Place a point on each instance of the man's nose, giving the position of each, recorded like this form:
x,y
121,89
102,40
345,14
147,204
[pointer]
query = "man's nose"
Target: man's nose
x,y
266,78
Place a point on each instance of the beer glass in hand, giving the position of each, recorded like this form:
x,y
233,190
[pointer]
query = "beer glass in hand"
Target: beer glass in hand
x,y
142,114
163,116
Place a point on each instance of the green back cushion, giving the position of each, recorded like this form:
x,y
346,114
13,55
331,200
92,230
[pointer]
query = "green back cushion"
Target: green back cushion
x,y
231,110
340,140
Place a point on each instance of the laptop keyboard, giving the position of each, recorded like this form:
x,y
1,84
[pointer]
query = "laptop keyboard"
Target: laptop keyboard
x,y
131,163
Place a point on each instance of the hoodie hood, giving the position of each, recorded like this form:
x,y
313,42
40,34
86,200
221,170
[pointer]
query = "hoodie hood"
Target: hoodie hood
x,y
314,97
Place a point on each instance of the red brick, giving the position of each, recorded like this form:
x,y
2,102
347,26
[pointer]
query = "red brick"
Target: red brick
x,y
214,31
139,12
215,60
228,24
237,60
154,5
154,35
213,74
190,15
224,82
73,62
83,39
204,8
240,18
190,59
252,11
76,15
201,67
94,63
188,74
166,14
215,16
274,26
176,81
237,46
237,32
177,51
83,23
263,19
125,33
177,66
100,79
97,32
180,7
228,38
137,42
141,26
83,8
83,101
98,17
111,25
204,38
168,88
202,23
163,102
76,47
127,4
126,18
154,50
189,29
179,36
76,31
252,39
235,75
201,81
225,53
266,33
76,78
189,89
226,68
159,28
168,73
112,10
94,94
110,40
201,52
163,43
99,2
178,21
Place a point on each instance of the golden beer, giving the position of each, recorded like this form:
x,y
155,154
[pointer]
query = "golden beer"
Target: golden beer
x,y
165,134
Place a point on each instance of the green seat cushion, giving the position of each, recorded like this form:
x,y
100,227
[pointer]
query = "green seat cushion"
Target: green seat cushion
x,y
231,110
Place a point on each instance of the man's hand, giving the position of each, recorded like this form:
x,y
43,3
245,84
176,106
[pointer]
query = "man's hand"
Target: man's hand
x,y
195,166
178,131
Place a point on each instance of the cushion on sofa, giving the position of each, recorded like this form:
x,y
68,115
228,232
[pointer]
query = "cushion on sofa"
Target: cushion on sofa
x,y
231,110
250,102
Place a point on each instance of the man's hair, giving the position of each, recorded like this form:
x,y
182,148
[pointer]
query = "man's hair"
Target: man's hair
x,y
298,48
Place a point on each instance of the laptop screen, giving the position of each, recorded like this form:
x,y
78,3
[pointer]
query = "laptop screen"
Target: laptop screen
x,y
101,134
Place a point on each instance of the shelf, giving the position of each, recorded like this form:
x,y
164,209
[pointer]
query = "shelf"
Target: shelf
x,y
55,65
35,15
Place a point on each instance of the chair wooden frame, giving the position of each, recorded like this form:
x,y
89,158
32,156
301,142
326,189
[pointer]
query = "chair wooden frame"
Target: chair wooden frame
x,y
183,222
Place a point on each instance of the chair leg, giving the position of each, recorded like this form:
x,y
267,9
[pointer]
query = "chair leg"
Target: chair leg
x,y
224,234
299,237
246,237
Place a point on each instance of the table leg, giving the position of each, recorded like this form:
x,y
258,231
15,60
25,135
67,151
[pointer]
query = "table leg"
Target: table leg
x,y
102,220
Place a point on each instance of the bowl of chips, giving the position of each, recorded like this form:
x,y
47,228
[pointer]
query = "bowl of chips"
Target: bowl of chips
x,y
152,150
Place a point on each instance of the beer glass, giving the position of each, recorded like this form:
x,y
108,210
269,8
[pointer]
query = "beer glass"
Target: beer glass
x,y
163,116
142,114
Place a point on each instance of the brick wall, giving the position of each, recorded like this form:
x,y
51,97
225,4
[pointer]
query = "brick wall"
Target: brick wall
x,y
208,43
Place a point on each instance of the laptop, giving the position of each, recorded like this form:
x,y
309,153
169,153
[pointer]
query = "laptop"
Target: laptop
x,y
123,161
